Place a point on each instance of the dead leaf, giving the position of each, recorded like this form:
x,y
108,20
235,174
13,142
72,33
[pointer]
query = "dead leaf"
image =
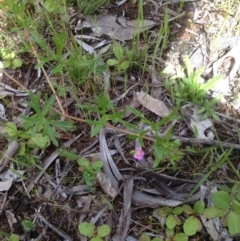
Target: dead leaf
x,y
109,167
106,185
117,28
5,186
195,124
154,105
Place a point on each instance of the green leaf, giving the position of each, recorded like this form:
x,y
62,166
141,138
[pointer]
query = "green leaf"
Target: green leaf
x,y
163,212
233,223
83,162
170,221
52,134
97,165
221,199
187,209
97,238
118,51
211,83
41,141
191,226
50,6
17,63
96,129
180,237
86,229
235,192
11,129
112,62
198,207
169,232
6,63
144,237
236,206
124,65
103,230
213,212
14,237
177,210
170,69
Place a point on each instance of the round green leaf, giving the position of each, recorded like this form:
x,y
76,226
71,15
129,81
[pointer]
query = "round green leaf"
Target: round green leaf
x,y
6,63
236,206
211,212
112,62
187,209
170,221
177,220
192,225
86,229
169,232
17,63
144,237
199,207
180,237
124,65
177,210
233,223
163,212
14,237
221,199
97,238
103,230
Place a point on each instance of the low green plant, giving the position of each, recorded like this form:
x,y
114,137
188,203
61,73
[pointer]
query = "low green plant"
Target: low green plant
x,y
184,85
14,237
90,171
120,61
164,148
95,234
9,59
41,125
28,225
226,205
191,224
146,237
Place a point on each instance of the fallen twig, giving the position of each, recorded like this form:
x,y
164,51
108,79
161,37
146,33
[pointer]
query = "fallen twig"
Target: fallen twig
x,y
55,229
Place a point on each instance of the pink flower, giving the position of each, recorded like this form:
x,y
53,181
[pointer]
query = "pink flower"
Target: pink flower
x,y
139,153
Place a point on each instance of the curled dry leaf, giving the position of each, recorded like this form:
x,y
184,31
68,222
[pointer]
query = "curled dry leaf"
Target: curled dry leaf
x,y
194,122
117,28
154,105
106,185
5,186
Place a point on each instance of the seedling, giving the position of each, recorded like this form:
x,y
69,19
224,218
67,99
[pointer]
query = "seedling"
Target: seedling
x,y
90,171
95,234
145,237
9,59
28,225
42,126
185,85
120,62
227,207
14,237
